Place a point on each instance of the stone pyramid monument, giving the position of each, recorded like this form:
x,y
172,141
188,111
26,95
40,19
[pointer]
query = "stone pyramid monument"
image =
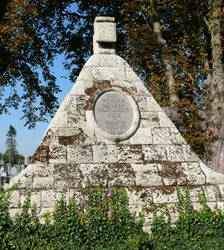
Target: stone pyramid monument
x,y
110,132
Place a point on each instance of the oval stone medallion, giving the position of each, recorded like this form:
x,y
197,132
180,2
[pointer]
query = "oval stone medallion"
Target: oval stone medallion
x,y
113,113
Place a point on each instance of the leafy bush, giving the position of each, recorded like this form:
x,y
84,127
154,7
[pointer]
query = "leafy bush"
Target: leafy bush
x,y
195,229
105,223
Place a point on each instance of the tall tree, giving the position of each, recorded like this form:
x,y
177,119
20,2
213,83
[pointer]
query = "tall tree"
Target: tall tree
x,y
180,56
26,54
215,79
11,145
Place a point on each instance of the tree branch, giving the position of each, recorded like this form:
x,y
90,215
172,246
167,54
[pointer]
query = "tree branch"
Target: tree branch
x,y
66,13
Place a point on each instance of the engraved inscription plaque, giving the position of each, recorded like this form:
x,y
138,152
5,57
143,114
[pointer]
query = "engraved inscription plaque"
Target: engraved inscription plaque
x,y
113,113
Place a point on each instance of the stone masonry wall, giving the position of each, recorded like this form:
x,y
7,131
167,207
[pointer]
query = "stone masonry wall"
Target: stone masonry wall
x,y
110,132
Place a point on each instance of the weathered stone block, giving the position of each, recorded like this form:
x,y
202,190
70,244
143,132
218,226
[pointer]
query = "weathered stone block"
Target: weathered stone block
x,y
161,136
36,198
14,211
130,153
172,174
221,189
80,196
212,205
154,153
94,175
111,74
41,170
81,89
212,193
105,30
127,87
49,198
175,153
121,181
85,74
58,154
146,175
50,137
41,155
197,205
176,137
71,103
132,78
81,102
193,192
212,177
82,137
14,201
60,119
193,173
142,136
153,105
141,197
43,212
220,205
68,135
165,121
67,176
104,153
76,119
189,155
150,120
120,175
104,60
43,182
165,195
79,154
142,103
141,89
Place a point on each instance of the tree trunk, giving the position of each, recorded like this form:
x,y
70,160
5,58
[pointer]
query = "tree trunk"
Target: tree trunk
x,y
162,42
216,90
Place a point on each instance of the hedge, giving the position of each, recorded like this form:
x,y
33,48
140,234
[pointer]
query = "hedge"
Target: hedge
x,y
106,223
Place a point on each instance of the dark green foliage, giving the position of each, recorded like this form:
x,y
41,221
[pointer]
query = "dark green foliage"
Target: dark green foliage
x,y
11,154
11,144
105,223
27,48
195,229
17,158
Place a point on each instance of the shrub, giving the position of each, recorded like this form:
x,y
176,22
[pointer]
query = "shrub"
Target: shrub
x,y
105,223
194,229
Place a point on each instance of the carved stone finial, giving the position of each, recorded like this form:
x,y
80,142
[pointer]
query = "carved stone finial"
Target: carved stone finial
x,y
104,35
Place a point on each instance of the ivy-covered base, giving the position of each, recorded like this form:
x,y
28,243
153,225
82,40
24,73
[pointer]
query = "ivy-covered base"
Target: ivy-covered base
x,y
106,224
194,230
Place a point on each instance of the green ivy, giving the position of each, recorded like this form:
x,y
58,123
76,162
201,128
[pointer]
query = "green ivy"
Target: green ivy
x,y
106,223
194,229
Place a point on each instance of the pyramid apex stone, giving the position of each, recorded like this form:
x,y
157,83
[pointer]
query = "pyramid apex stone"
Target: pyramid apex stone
x,y
104,35
104,19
